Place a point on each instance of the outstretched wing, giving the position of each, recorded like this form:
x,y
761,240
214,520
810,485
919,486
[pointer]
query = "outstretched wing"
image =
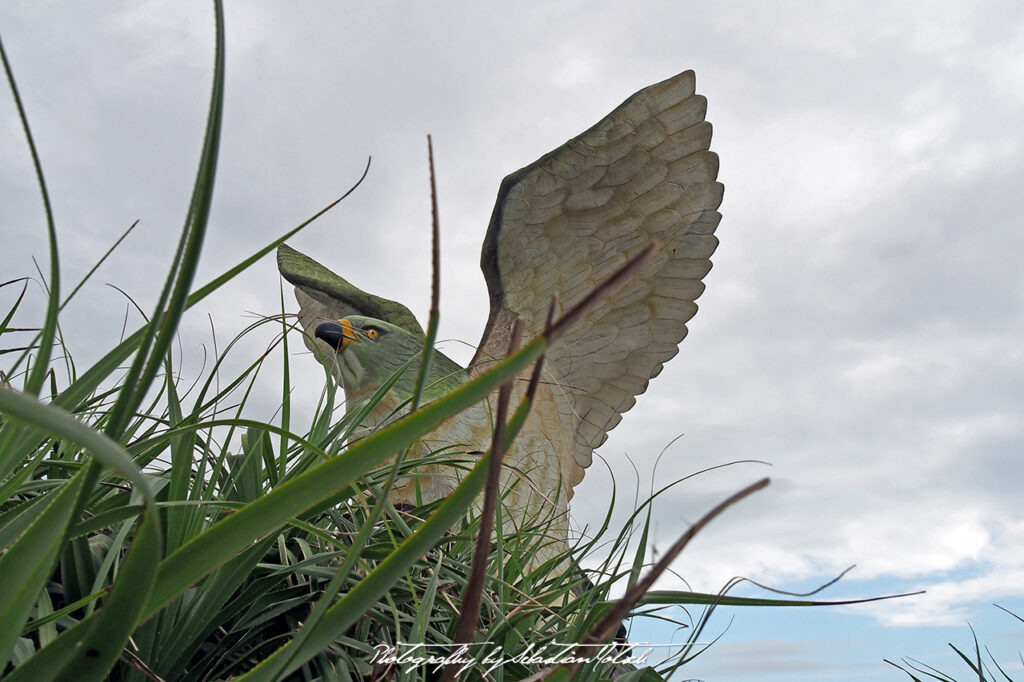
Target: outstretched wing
x,y
564,223
323,295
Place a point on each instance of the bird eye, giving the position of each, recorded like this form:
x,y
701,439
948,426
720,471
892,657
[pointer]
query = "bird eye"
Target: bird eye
x,y
372,334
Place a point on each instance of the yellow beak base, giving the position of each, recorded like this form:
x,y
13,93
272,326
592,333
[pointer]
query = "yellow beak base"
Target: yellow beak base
x,y
348,334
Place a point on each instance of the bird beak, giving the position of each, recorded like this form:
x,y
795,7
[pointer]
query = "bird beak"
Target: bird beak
x,y
337,335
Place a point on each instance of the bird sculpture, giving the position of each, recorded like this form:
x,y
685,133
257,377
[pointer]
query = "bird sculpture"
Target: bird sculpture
x,y
560,226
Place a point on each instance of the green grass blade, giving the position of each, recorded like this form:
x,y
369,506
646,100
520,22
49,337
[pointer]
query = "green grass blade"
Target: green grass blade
x,y
199,616
81,282
44,621
99,647
286,394
641,551
426,604
35,553
49,332
79,391
31,558
13,519
172,303
71,397
182,452
60,423
683,597
4,323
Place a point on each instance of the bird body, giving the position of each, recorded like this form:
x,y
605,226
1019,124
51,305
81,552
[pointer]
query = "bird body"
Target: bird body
x,y
369,351
560,226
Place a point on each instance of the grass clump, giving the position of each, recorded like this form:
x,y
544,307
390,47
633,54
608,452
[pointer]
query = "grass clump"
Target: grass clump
x,y
981,662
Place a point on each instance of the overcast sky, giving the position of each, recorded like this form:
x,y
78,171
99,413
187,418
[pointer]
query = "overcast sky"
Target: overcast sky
x,y
860,329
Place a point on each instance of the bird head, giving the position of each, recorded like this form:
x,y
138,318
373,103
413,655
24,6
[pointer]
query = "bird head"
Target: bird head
x,y
371,350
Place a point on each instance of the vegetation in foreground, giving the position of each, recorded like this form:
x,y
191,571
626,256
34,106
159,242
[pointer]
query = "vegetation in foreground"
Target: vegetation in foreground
x,y
158,533
981,662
